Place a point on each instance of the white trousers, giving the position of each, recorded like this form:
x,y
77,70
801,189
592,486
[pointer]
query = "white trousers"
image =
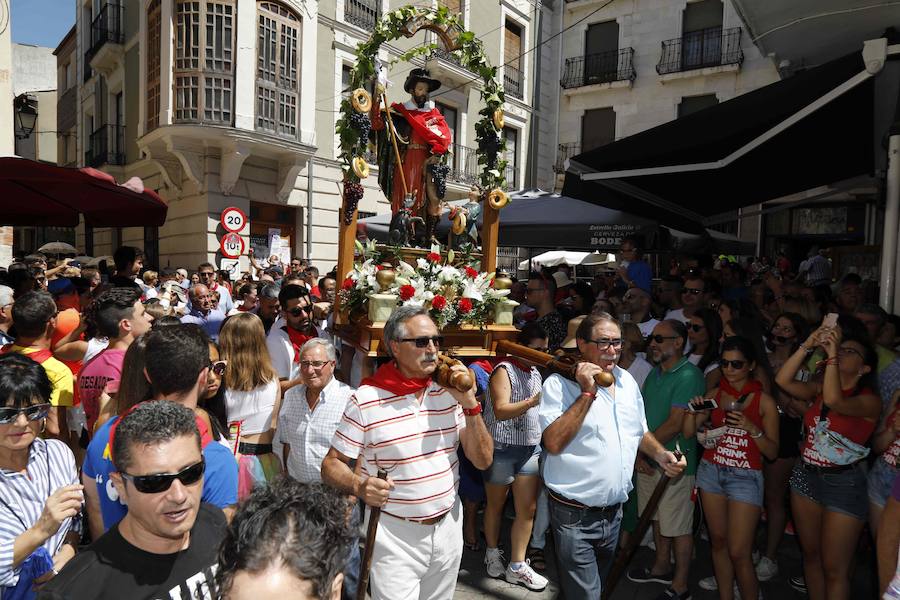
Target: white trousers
x,y
416,562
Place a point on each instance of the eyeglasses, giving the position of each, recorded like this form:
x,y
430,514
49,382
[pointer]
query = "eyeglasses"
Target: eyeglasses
x,y
35,412
847,351
300,310
696,328
659,339
692,291
734,364
154,484
315,364
205,273
218,367
607,342
422,342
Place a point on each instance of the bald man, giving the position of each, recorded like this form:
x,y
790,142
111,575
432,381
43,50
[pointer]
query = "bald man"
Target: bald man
x,y
202,312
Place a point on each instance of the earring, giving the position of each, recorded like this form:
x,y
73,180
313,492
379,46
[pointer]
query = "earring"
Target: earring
x,y
43,425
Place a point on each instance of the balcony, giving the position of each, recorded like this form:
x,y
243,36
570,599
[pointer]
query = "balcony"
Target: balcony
x,y
107,37
512,82
107,147
512,177
464,168
563,153
706,48
605,67
446,67
362,13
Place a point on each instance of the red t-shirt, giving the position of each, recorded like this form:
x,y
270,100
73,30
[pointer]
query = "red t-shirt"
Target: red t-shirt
x,y
103,368
735,447
857,429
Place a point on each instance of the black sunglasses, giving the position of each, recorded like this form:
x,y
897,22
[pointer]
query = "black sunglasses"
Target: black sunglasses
x,y
35,412
300,310
422,342
218,367
659,339
735,364
154,484
692,291
696,328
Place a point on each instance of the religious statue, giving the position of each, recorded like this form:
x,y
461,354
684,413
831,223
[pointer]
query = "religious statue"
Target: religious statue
x,y
417,139
464,220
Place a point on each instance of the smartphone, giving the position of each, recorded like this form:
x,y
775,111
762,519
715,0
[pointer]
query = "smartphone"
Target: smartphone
x,y
707,404
830,320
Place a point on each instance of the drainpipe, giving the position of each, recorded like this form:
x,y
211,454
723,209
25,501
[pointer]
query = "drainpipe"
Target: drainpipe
x,y
887,293
309,207
533,122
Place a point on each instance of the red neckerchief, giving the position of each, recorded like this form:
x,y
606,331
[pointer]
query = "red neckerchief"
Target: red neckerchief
x,y
298,338
247,309
388,377
752,386
421,120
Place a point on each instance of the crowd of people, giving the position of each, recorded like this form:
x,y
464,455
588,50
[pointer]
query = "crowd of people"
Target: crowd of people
x,y
178,433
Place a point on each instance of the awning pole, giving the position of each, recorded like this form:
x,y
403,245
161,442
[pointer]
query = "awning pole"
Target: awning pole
x,y
887,297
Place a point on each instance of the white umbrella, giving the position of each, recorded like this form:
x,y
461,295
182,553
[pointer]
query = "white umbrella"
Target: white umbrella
x,y
556,257
600,258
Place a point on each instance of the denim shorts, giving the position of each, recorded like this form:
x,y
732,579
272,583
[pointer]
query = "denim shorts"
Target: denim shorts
x,y
742,485
511,460
881,478
838,491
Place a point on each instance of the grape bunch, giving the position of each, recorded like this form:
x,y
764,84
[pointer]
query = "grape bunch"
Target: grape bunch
x,y
490,146
439,176
360,122
353,192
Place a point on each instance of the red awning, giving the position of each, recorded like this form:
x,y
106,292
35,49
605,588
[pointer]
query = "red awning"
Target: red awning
x,y
34,193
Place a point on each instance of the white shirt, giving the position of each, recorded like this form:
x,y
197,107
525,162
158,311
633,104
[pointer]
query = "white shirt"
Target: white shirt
x,y
678,315
309,432
639,369
252,409
647,326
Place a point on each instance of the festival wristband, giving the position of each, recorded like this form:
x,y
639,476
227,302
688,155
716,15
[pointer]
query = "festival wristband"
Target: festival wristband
x,y
472,412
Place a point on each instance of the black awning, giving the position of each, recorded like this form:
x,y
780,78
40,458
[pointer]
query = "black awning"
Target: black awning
x,y
832,143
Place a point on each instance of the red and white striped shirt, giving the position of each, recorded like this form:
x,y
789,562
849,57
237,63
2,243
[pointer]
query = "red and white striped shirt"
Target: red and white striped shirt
x,y
414,442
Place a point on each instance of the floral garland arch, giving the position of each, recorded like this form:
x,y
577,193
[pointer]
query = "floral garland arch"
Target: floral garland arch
x,y
353,126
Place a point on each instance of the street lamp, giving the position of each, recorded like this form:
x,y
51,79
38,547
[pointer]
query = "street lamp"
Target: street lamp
x,y
26,114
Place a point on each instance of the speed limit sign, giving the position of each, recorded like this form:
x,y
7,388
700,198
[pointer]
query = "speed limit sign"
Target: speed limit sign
x,y
232,245
233,219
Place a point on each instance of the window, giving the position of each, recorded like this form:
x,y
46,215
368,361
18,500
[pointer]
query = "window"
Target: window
x,y
598,128
601,56
512,60
701,34
451,116
204,61
277,70
512,153
154,23
454,6
692,104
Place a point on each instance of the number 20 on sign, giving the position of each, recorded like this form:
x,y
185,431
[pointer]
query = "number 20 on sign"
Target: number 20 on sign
x,y
233,219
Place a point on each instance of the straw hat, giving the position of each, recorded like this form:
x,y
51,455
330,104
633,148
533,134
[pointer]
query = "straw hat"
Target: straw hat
x,y
569,342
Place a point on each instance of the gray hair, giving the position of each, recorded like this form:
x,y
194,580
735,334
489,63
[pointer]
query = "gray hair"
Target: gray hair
x,y
395,329
267,291
182,271
6,295
328,346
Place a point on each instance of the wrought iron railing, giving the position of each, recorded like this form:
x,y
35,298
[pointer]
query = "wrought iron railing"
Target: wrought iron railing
x,y
362,13
711,47
107,146
512,82
605,67
512,176
107,27
463,164
563,153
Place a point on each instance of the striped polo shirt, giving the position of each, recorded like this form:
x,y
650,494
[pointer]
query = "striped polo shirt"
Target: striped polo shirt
x,y
415,442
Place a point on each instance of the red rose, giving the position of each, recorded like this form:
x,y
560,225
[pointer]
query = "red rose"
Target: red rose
x,y
471,273
407,292
465,305
439,303
348,284
378,268
433,257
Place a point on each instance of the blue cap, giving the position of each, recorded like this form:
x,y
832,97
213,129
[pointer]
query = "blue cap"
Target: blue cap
x,y
60,286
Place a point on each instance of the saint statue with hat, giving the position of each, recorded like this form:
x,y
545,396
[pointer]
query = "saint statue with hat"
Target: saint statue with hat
x,y
422,137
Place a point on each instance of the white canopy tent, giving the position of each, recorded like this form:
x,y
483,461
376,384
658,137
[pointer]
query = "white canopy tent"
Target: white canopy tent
x,y
571,258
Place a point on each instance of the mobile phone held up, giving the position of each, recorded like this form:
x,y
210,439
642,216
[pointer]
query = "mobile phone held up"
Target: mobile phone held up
x,y
706,404
830,320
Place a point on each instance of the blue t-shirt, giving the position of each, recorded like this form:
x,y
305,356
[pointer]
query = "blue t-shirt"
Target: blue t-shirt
x,y
640,274
220,480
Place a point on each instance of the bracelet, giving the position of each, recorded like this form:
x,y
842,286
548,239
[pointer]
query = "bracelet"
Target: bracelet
x,y
472,412
756,437
586,395
831,361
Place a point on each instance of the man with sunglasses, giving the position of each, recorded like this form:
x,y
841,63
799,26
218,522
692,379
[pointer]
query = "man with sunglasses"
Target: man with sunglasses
x,y
207,273
202,313
636,303
284,342
401,421
167,544
667,391
693,298
591,436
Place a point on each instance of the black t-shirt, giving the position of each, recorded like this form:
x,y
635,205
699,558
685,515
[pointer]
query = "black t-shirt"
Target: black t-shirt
x,y
113,569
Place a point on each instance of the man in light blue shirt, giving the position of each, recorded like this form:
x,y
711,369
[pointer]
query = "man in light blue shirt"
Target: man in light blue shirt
x,y
202,314
591,437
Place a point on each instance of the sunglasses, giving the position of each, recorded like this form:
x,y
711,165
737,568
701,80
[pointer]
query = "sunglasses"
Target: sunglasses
x,y
607,342
154,484
696,328
734,364
218,367
35,412
210,274
659,339
692,291
315,364
422,342
300,310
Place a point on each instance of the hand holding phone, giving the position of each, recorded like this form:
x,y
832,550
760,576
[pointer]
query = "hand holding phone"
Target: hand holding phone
x,y
830,320
702,405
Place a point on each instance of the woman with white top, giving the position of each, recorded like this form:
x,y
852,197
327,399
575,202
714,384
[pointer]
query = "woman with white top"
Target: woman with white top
x,y
704,330
252,399
632,357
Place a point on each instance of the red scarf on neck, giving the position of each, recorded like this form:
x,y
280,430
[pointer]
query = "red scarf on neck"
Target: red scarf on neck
x,y
298,338
752,386
388,377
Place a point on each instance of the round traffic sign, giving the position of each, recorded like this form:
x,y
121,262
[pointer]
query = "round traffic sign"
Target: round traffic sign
x,y
232,245
233,219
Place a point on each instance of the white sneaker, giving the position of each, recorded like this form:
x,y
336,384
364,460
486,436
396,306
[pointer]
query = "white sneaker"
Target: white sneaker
x,y
493,561
526,576
766,569
709,583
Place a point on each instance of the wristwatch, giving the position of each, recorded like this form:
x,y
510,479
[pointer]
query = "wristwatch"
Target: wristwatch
x,y
472,412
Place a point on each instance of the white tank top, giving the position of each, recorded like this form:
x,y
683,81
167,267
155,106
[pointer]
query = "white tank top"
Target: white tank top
x,y
253,409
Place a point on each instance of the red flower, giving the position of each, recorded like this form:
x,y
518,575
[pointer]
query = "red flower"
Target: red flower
x,y
465,305
433,257
378,268
348,284
438,303
407,292
471,273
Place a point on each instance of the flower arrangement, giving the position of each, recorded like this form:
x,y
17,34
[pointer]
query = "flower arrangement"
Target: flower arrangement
x,y
453,294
